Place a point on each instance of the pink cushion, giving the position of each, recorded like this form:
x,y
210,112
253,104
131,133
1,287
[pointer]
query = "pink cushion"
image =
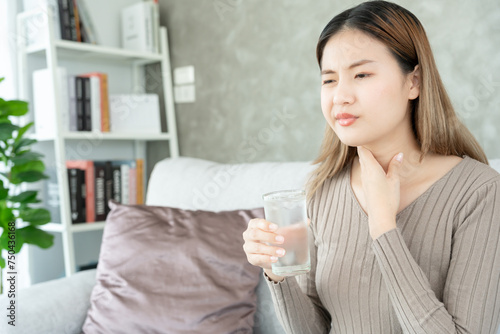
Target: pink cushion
x,y
167,270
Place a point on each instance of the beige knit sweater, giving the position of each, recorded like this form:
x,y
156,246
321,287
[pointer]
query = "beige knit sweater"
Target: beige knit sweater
x,y
437,272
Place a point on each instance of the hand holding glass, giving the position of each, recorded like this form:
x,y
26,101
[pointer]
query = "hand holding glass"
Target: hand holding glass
x,y
287,209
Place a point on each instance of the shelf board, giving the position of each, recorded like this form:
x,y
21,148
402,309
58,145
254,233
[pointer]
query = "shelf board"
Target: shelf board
x,y
83,227
76,50
87,135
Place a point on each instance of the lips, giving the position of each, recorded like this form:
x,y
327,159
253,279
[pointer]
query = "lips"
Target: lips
x,y
344,116
345,119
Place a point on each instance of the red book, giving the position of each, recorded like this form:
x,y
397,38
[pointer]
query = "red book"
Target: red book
x,y
88,167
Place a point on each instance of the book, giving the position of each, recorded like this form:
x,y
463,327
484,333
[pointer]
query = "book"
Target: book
x,y
100,191
137,27
72,20
72,115
87,112
104,97
87,23
132,113
65,20
77,20
80,102
95,103
117,184
44,102
140,181
88,167
76,192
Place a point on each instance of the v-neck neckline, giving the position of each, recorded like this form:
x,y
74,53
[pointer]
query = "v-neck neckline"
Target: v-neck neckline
x,y
416,200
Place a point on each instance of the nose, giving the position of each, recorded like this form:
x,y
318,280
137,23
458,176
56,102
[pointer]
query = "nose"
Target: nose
x,y
343,94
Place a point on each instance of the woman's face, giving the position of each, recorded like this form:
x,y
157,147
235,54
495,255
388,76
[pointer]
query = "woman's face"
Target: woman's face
x,y
364,94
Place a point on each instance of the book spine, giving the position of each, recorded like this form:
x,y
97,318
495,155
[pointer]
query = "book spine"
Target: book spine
x,y
117,184
79,103
125,170
76,200
95,97
132,184
104,103
88,167
72,3
87,112
72,21
72,104
108,185
64,20
139,181
99,191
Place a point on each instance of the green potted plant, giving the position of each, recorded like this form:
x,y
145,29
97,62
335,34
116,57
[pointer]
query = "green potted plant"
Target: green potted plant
x,y
19,165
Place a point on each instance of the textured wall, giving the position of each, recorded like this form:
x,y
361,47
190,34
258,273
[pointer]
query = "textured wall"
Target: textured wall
x,y
257,82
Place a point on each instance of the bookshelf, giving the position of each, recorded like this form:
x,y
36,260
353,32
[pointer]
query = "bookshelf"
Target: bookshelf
x,y
54,52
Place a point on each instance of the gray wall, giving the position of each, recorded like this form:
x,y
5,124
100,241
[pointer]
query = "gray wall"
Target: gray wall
x,y
257,82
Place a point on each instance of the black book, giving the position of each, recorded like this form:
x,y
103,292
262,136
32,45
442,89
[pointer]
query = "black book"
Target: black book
x,y
80,102
72,20
99,191
117,184
108,184
87,113
64,19
76,181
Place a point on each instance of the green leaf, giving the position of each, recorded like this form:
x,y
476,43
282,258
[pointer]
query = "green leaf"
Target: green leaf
x,y
16,239
22,131
25,197
2,262
6,216
22,143
35,216
2,79
6,130
29,176
14,108
34,236
25,157
4,192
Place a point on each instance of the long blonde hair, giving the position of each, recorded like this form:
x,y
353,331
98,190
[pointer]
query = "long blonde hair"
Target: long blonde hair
x,y
434,121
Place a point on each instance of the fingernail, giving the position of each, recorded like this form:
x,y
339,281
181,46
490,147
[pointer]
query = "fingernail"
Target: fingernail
x,y
273,227
280,252
279,238
399,157
274,258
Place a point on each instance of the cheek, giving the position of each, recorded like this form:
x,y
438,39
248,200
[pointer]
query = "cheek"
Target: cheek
x,y
326,104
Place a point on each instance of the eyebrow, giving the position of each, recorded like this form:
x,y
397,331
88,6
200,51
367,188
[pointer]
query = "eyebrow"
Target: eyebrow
x,y
355,64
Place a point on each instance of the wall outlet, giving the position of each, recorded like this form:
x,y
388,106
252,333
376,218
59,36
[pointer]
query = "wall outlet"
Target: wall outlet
x,y
184,75
184,94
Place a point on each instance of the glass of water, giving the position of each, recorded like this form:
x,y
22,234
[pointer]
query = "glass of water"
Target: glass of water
x,y
287,209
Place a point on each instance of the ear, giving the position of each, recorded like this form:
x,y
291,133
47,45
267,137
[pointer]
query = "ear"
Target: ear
x,y
415,79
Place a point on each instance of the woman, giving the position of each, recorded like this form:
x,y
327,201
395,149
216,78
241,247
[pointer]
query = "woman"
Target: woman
x,y
405,211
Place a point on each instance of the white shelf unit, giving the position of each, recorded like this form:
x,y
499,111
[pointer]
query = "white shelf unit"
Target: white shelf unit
x,y
55,50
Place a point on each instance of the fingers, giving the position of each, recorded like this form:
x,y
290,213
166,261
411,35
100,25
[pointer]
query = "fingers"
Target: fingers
x,y
395,165
259,237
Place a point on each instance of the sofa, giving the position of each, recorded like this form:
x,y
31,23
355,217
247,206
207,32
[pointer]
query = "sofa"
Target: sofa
x,y
60,306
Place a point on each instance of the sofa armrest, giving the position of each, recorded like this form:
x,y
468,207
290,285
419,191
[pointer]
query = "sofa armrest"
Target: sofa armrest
x,y
57,306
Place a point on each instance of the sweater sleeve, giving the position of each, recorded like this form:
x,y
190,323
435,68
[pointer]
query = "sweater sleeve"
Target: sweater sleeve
x,y
296,301
472,288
